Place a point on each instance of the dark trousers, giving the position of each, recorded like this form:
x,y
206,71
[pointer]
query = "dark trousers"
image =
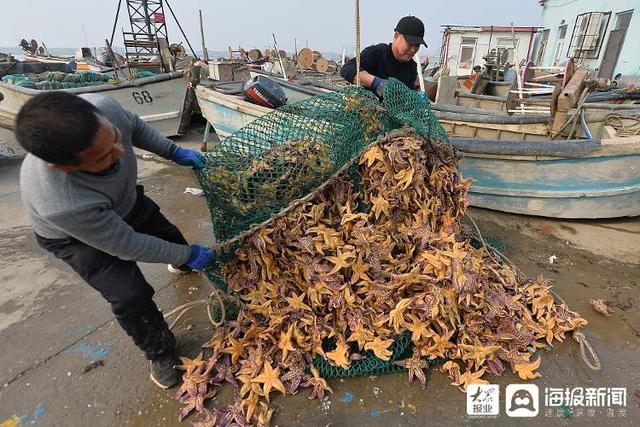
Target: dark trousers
x,y
121,282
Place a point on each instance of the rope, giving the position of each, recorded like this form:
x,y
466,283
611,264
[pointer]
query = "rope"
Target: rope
x,y
358,42
624,125
213,298
578,336
181,30
585,346
115,23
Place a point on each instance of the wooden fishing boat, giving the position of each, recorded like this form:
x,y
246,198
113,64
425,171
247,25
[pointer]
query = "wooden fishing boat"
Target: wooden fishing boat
x,y
38,53
159,100
482,124
225,108
579,179
85,60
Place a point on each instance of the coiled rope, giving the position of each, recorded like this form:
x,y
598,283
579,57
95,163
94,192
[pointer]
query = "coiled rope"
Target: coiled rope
x,y
623,124
213,301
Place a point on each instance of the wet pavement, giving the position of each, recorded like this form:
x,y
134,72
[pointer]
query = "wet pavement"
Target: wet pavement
x,y
53,326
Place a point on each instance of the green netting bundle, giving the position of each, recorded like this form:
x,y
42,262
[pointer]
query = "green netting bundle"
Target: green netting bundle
x,y
19,80
53,80
284,155
143,74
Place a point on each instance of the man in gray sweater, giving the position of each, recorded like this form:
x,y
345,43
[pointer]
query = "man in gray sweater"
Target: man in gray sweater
x,y
78,186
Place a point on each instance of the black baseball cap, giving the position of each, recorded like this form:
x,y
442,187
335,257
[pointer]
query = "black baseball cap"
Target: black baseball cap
x,y
412,29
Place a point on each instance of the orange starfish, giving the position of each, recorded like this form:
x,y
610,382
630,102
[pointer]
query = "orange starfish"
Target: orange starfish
x,y
526,370
190,365
380,348
318,383
340,356
270,379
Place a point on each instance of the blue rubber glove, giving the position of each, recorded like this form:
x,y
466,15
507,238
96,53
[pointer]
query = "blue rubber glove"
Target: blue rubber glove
x,y
422,96
186,157
201,257
378,86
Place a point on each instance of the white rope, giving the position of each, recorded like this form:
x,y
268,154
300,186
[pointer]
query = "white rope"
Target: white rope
x,y
213,298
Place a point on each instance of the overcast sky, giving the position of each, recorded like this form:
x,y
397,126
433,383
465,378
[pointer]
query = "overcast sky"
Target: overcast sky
x,y
327,25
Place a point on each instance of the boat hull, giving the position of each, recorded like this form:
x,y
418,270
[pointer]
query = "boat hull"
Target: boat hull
x,y
158,100
603,184
229,113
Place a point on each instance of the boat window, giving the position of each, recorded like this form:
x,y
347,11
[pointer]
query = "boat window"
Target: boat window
x,y
507,43
542,48
467,53
557,55
623,20
588,34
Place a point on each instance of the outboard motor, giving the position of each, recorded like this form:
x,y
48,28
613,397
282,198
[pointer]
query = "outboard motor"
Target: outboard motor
x,y
264,91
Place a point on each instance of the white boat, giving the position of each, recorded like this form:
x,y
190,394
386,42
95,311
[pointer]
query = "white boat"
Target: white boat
x,y
159,100
86,61
226,109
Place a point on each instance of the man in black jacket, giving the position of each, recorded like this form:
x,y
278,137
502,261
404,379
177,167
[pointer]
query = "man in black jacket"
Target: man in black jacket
x,y
382,61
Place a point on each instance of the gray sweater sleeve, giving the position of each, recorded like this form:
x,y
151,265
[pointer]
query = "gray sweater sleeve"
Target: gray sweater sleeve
x,y
145,137
103,229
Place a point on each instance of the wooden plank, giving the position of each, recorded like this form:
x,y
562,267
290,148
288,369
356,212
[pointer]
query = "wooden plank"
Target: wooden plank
x,y
512,136
448,127
165,55
608,132
491,105
487,134
571,93
534,129
447,90
463,130
467,102
6,123
559,120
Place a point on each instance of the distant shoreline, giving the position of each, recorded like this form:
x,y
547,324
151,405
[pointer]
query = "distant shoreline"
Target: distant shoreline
x,y
17,51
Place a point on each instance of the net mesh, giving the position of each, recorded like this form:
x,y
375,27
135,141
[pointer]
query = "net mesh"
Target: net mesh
x,y
259,171
284,155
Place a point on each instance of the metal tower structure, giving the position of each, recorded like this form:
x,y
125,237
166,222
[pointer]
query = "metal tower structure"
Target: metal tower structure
x,y
148,32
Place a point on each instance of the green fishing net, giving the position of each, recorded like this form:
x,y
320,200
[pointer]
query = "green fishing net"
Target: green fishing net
x,y
53,80
402,348
285,155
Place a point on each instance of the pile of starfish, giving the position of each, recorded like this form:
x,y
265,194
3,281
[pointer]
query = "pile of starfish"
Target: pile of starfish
x,y
359,264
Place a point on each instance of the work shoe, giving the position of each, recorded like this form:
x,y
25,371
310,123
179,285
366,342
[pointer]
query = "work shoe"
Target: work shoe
x,y
179,269
163,371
